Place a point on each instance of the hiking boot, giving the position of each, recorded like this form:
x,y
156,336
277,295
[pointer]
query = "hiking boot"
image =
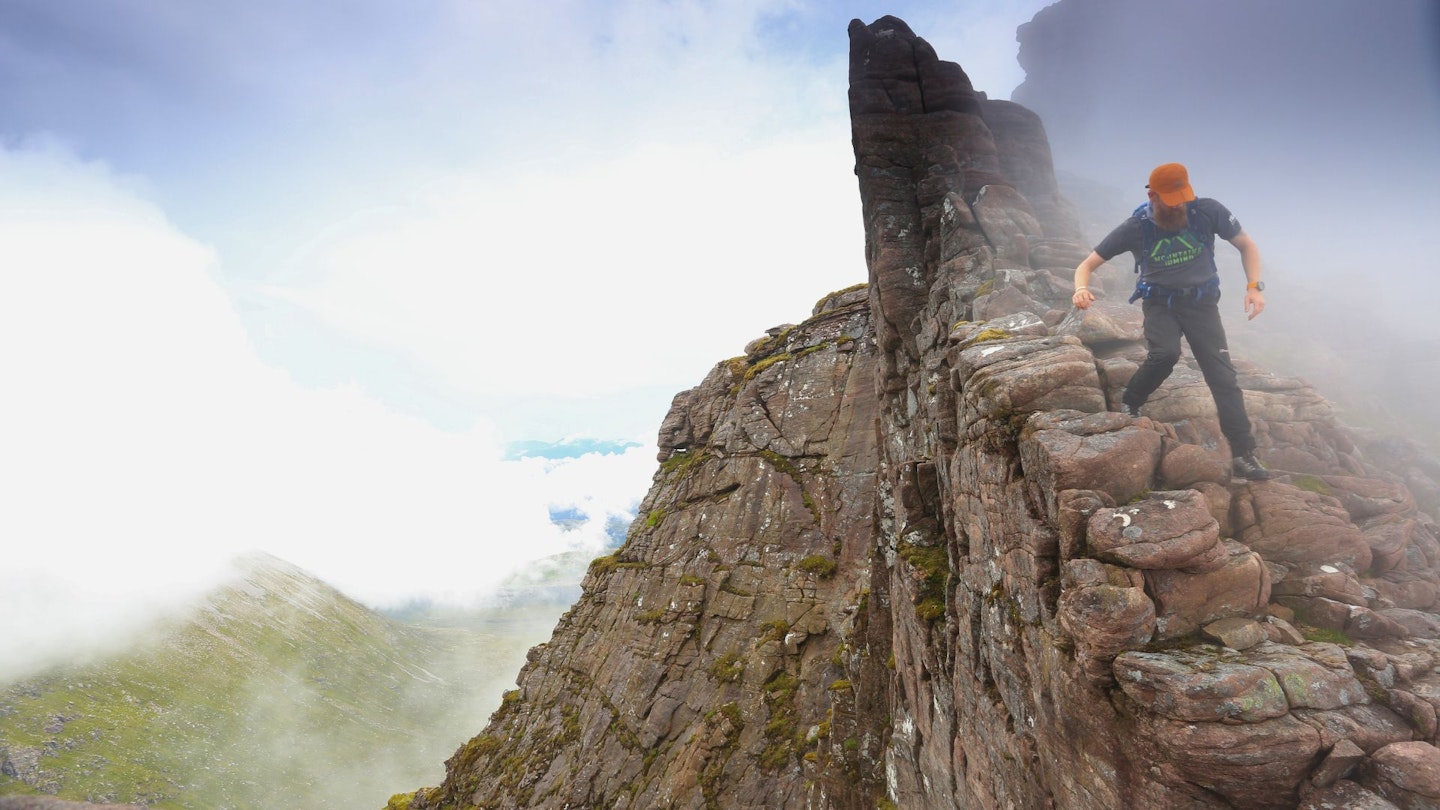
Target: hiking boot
x,y
1249,467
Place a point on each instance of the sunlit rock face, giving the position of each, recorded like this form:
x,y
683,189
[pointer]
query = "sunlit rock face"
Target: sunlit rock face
x,y
707,660
903,553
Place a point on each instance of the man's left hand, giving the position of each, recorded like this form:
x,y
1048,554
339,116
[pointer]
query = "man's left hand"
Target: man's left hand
x,y
1254,303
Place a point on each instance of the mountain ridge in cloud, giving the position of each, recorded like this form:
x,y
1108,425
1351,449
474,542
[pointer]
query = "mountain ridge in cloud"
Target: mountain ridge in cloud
x,y
146,442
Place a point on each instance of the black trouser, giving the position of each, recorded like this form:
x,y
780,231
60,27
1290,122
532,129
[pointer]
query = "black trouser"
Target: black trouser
x,y
1166,320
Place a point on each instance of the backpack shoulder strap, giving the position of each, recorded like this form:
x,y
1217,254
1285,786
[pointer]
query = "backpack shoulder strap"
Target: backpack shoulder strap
x,y
1147,228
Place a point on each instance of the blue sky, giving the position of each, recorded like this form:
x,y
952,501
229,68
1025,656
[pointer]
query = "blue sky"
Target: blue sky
x,y
291,276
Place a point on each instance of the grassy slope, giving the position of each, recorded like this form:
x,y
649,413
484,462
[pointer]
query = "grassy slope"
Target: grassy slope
x,y
279,692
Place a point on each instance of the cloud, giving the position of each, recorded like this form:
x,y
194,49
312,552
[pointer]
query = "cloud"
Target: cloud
x,y
146,444
629,273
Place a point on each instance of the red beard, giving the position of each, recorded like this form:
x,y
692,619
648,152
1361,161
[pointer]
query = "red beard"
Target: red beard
x,y
1168,218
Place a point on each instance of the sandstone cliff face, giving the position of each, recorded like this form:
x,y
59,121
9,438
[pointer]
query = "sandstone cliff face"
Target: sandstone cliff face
x,y
903,555
704,664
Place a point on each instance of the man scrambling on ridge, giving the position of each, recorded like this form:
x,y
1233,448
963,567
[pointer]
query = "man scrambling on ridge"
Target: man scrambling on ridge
x,y
1173,240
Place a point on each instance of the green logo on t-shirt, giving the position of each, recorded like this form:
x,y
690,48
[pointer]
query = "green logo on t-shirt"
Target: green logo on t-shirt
x,y
1173,250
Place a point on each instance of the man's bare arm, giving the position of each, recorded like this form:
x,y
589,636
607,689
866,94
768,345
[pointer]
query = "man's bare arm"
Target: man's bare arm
x,y
1250,260
1083,298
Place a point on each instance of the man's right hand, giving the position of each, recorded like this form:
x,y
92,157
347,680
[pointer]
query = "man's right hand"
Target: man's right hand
x,y
1083,298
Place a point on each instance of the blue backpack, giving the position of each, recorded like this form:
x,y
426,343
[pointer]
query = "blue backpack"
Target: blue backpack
x,y
1151,233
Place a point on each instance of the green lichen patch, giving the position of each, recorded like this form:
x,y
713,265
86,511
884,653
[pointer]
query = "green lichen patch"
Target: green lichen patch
x,y
819,565
932,569
727,723
836,294
780,730
728,668
781,463
988,334
774,630
761,365
809,350
1312,483
400,801
609,563
683,463
1325,634
650,616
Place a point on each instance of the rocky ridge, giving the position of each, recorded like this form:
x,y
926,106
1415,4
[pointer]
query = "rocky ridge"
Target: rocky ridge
x,y
903,553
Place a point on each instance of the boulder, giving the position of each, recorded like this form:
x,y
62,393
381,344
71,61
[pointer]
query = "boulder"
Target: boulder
x,y
1164,530
1389,536
1369,497
1289,525
1343,795
1338,764
1004,377
1335,582
1108,322
1185,600
1236,633
1105,612
1405,589
1002,302
1407,774
1371,726
1184,465
1312,676
1105,452
1255,765
1193,687
1417,623
1417,711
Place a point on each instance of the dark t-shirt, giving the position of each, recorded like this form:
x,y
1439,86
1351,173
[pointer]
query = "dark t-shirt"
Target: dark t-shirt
x,y
1184,258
